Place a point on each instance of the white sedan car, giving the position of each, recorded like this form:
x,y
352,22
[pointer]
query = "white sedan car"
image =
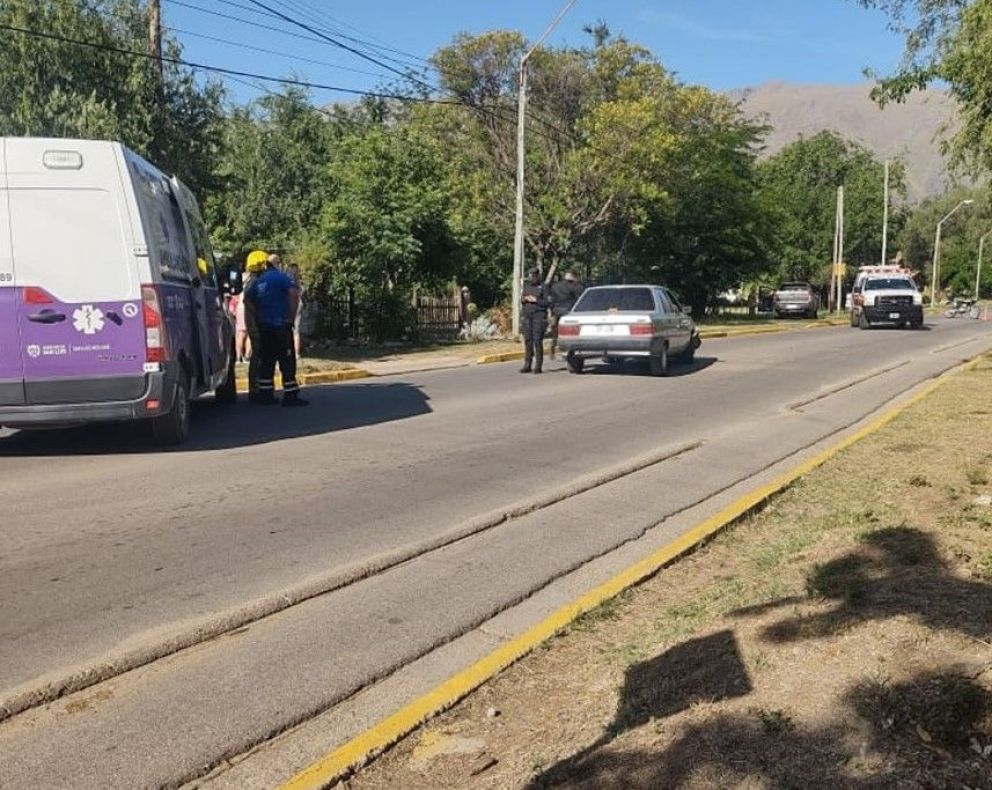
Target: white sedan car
x,y
615,322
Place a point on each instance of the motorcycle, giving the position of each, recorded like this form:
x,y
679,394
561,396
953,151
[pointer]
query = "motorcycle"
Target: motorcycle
x,y
959,308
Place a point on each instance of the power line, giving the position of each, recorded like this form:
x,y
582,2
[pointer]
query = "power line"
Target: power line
x,y
241,45
346,47
493,113
334,24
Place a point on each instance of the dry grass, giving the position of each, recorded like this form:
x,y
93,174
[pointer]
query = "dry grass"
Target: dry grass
x,y
841,638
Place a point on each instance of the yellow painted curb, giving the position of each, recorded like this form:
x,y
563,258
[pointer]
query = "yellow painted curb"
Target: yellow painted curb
x,y
507,356
327,377
358,751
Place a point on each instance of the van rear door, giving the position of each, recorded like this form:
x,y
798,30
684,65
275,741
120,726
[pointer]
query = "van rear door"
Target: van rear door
x,y
77,286
11,371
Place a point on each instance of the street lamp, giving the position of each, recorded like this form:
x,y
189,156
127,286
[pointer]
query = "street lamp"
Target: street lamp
x,y
935,277
978,274
518,236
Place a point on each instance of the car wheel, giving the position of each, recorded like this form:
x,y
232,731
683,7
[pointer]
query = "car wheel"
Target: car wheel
x,y
658,363
689,355
863,321
574,363
916,323
227,393
173,428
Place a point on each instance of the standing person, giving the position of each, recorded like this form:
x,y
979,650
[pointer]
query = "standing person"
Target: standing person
x,y
272,301
254,265
534,321
564,294
293,270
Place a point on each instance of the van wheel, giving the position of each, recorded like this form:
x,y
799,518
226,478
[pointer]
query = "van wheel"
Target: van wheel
x,y
173,428
658,363
575,363
227,393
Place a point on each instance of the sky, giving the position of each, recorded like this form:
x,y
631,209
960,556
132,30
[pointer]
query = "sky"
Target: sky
x,y
723,44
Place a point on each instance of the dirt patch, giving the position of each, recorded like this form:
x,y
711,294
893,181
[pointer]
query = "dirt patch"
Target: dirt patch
x,y
841,638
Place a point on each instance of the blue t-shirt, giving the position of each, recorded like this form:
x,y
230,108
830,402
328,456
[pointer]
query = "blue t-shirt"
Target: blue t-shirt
x,y
269,293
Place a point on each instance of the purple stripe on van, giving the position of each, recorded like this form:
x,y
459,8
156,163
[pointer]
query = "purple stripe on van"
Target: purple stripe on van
x,y
10,344
69,340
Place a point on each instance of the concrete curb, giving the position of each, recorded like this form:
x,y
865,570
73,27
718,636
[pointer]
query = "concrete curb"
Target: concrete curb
x,y
328,377
360,750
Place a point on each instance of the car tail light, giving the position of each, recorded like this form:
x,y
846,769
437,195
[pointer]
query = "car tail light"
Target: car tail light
x,y
641,329
568,330
155,350
33,295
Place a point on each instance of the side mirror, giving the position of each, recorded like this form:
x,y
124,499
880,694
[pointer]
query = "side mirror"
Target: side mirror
x,y
687,310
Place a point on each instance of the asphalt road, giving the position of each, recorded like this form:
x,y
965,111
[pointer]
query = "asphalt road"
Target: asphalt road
x,y
111,552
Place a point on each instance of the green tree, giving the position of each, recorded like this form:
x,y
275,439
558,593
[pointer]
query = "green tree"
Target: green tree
x,y
107,90
274,168
959,242
800,186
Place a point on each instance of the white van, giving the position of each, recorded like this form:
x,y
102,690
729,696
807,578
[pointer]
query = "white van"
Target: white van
x,y
109,305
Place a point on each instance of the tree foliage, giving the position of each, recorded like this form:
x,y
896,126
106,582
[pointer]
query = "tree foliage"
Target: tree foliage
x,y
800,187
61,89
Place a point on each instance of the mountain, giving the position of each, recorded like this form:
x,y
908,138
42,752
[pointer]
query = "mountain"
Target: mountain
x,y
911,130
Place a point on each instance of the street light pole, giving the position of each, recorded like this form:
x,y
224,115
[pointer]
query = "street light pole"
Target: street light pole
x,y
935,276
885,218
518,233
978,274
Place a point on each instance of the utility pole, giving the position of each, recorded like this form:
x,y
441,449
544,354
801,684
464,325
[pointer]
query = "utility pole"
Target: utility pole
x,y
885,218
935,275
518,234
155,36
836,277
978,274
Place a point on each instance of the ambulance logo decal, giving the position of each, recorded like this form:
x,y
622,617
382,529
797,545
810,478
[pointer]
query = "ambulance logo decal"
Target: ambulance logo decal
x,y
34,351
88,319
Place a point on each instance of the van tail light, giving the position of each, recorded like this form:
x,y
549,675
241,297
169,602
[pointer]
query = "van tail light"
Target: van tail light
x,y
34,295
155,349
568,330
641,329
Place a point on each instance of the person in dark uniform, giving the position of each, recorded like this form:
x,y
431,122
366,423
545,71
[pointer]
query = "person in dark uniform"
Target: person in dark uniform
x,y
564,294
534,321
271,302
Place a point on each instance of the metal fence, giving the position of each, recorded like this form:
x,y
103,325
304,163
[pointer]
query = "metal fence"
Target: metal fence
x,y
431,319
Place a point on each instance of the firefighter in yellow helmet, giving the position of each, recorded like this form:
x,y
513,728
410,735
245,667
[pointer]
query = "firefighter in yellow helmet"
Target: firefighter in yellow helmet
x,y
272,300
248,346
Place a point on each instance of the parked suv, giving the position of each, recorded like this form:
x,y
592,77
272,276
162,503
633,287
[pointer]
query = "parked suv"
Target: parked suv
x,y
109,305
796,299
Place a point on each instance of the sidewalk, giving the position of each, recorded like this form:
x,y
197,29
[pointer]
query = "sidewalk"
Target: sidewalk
x,y
841,637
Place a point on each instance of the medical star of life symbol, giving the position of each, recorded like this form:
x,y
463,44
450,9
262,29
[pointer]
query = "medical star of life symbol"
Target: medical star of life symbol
x,y
88,319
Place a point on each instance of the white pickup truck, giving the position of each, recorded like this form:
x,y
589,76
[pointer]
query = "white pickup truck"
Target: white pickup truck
x,y
886,295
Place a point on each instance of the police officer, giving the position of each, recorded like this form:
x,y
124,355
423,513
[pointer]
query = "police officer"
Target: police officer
x,y
534,321
272,300
564,295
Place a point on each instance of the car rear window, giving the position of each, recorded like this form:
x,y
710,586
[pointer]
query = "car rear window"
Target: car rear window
x,y
597,300
887,283
794,287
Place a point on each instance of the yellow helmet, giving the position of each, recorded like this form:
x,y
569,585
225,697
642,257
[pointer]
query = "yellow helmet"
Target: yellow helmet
x,y
257,261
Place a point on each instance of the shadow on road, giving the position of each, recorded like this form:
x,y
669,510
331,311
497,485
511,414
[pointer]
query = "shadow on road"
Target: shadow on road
x,y
638,367
335,408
